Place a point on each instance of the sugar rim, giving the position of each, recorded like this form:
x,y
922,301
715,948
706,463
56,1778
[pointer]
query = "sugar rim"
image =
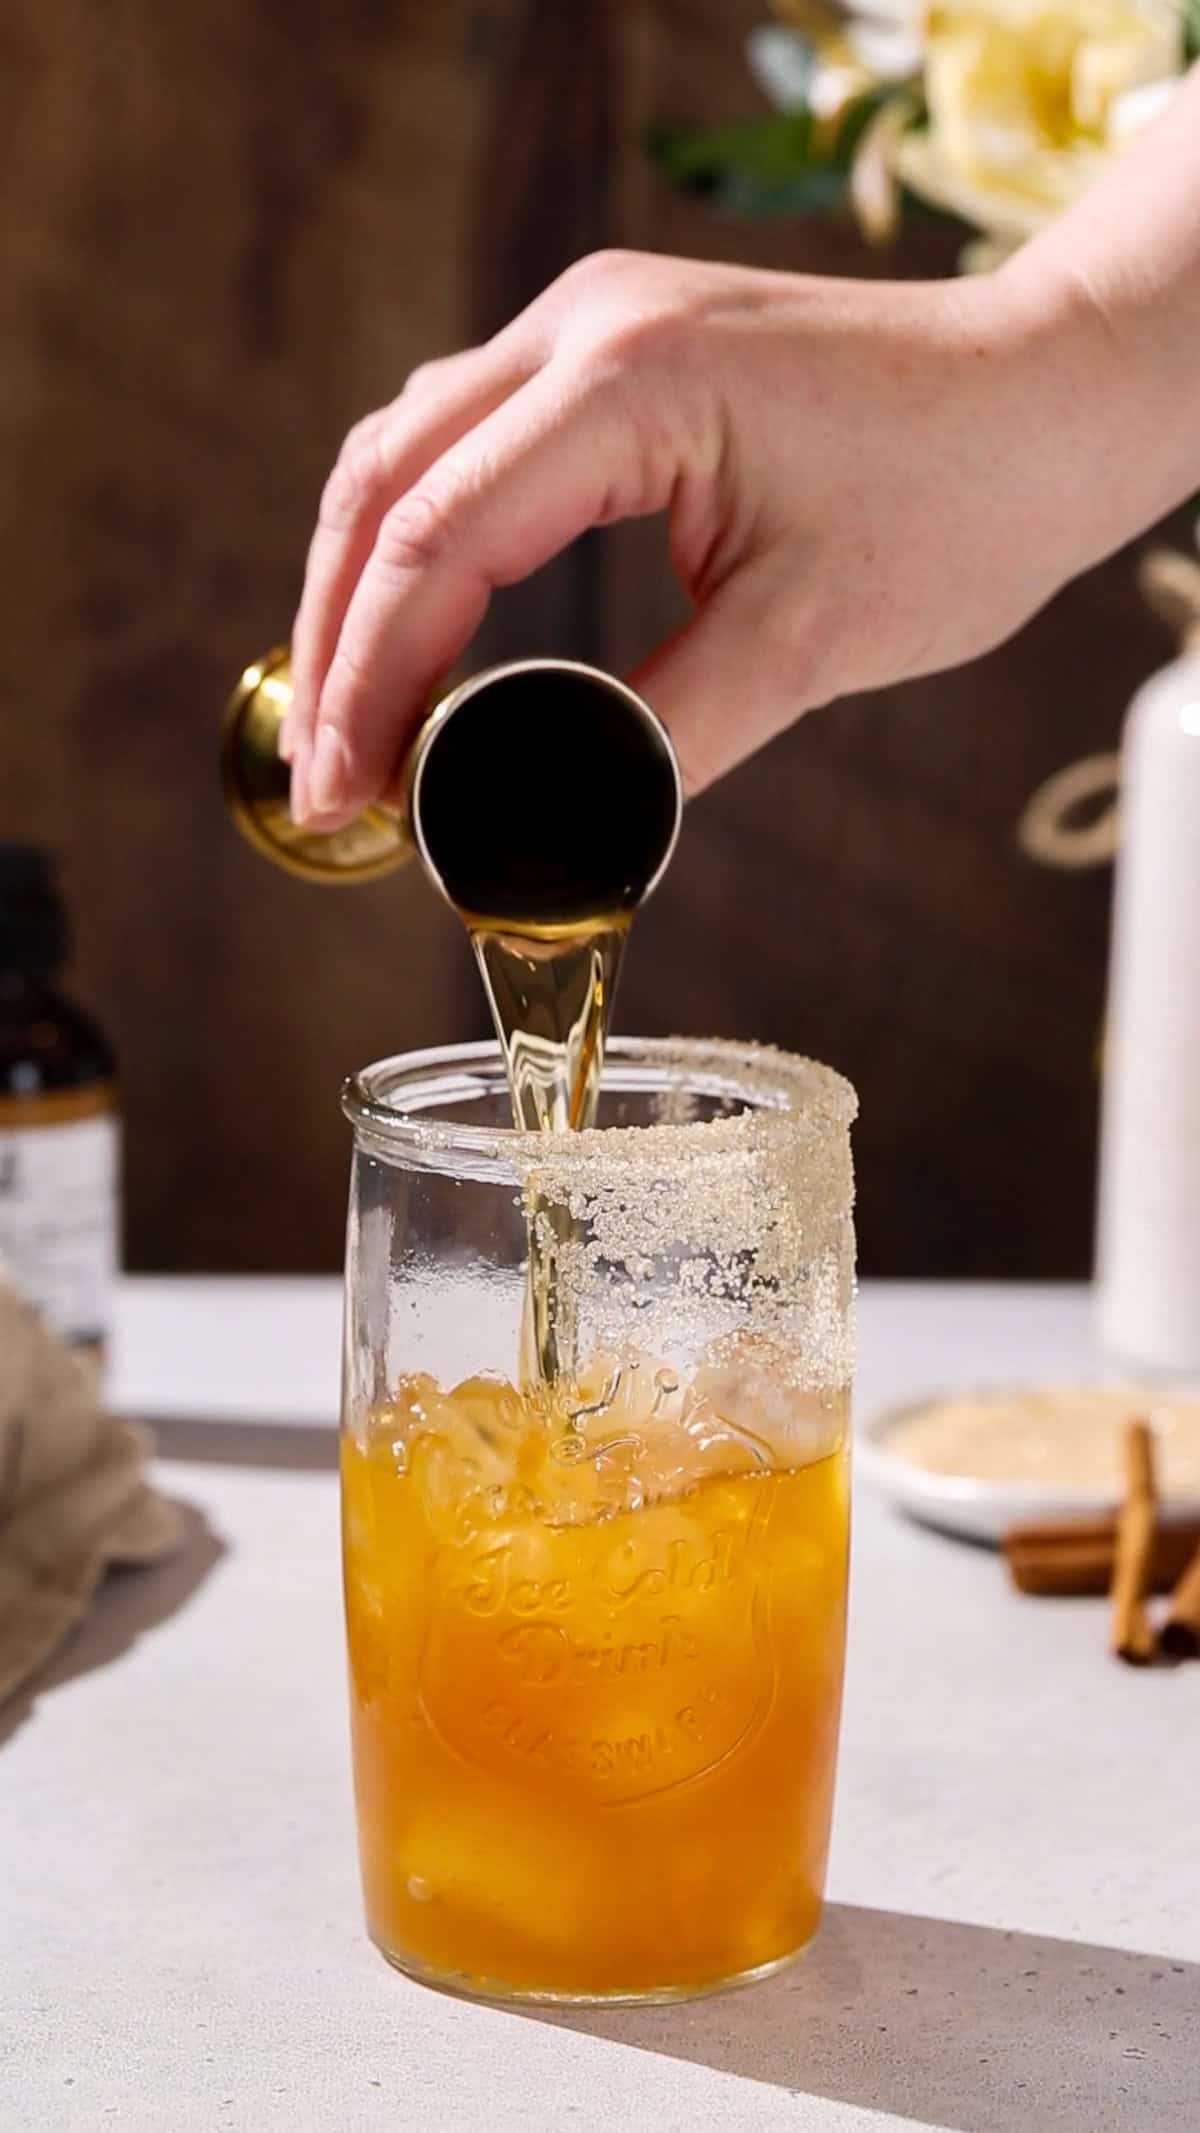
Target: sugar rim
x,y
785,1097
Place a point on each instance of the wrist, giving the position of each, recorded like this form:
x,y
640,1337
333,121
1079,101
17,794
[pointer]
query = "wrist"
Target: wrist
x,y
1107,297
1090,355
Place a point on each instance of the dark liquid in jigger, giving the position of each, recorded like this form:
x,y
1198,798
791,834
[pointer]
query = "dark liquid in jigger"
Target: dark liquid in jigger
x,y
547,806
547,800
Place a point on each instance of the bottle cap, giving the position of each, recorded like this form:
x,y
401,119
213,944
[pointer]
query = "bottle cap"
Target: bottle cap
x,y
33,924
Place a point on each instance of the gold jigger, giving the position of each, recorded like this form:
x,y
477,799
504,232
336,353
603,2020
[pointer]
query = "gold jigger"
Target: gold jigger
x,y
500,776
256,781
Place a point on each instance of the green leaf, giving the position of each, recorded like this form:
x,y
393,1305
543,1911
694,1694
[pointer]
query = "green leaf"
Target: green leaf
x,y
1191,28
765,149
818,191
768,167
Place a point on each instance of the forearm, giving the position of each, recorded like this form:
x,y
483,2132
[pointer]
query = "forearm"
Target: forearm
x,y
1111,294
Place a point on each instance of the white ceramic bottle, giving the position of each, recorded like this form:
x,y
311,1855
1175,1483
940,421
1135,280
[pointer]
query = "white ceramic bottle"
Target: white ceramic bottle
x,y
1148,1224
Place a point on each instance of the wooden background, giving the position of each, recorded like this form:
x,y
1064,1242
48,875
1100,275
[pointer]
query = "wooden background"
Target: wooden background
x,y
228,228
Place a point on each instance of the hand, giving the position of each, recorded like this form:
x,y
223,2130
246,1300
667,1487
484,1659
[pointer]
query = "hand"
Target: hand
x,y
863,482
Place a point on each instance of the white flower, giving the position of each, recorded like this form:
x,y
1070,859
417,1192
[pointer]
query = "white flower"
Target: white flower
x,y
837,57
1029,100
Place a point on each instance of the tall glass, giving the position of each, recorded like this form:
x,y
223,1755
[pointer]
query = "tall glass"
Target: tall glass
x,y
596,1627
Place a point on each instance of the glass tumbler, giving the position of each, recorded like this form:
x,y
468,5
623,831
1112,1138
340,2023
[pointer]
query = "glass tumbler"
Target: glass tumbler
x,y
596,1625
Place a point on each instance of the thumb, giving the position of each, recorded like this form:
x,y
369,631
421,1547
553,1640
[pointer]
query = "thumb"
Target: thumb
x,y
742,669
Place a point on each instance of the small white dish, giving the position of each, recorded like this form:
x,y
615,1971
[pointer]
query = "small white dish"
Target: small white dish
x,y
973,1509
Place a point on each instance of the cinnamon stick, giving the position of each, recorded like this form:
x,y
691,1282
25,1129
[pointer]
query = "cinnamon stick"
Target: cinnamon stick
x,y
1132,1637
1063,1557
1179,1636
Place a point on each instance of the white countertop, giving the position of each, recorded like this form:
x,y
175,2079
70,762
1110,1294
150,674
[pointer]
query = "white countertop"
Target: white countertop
x,y
1013,1935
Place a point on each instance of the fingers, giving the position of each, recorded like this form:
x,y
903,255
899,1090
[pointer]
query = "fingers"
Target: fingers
x,y
382,457
699,680
563,453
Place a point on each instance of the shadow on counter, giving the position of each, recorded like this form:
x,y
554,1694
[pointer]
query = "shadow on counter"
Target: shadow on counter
x,y
129,1601
964,2027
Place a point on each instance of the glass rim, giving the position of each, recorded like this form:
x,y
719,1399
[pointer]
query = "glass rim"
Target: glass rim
x,y
783,1098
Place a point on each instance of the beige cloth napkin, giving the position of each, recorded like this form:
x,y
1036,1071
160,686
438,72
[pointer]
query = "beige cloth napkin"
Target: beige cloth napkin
x,y
73,1492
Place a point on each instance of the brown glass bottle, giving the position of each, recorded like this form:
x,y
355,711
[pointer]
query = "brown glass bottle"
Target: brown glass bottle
x,y
58,1117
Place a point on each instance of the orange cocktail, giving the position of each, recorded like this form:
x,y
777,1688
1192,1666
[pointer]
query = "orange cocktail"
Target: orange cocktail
x,y
594,1745
595,1584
